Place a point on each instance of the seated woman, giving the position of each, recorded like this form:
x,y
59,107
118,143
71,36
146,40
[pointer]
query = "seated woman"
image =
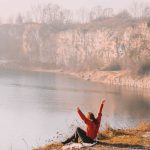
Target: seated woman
x,y
92,127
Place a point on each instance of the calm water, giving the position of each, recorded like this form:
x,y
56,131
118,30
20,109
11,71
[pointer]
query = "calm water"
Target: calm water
x,y
35,106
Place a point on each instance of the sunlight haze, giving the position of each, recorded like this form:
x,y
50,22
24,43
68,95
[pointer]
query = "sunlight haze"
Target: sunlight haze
x,y
12,8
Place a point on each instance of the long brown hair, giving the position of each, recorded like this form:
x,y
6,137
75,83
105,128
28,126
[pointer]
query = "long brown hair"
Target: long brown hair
x,y
92,117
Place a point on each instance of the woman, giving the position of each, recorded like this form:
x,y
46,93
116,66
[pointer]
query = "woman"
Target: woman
x,y
92,127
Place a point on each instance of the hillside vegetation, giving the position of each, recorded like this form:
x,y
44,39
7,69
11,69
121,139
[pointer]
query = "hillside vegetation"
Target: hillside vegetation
x,y
102,44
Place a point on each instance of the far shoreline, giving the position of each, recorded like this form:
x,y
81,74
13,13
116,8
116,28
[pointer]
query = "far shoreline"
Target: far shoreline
x,y
121,78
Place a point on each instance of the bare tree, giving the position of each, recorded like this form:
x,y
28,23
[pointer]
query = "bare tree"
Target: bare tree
x,y
37,13
68,16
134,9
51,14
124,14
147,12
83,15
28,17
96,12
140,10
107,12
19,19
54,14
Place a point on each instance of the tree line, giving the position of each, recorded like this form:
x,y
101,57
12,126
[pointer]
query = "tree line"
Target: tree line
x,y
56,15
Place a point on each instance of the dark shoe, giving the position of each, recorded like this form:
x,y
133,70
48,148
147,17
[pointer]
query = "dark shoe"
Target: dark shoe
x,y
63,143
75,140
66,142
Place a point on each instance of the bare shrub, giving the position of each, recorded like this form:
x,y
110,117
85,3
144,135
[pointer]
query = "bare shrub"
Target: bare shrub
x,y
148,24
143,68
123,14
115,65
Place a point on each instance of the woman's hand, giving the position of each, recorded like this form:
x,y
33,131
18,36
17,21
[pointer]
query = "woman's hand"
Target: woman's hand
x,y
77,109
103,101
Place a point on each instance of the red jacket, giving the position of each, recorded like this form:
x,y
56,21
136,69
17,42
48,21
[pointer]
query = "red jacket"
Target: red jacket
x,y
91,127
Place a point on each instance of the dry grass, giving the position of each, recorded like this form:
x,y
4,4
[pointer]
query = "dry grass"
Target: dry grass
x,y
118,139
137,136
55,146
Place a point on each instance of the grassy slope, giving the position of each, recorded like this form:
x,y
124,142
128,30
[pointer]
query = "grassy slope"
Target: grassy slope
x,y
117,139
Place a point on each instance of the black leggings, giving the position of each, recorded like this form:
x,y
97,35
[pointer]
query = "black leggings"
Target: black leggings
x,y
79,133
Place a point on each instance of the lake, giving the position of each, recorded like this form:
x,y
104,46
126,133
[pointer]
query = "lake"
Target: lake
x,y
36,107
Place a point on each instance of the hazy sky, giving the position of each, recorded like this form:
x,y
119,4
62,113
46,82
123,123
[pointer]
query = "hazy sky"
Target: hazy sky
x,y
12,7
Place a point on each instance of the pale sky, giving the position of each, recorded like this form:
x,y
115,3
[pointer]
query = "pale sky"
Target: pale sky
x,y
13,7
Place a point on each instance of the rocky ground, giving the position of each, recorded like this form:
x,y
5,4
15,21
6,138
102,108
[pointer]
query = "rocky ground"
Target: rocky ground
x,y
127,139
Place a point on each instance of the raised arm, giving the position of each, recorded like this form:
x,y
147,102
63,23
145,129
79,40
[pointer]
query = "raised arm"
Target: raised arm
x,y
83,117
100,111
